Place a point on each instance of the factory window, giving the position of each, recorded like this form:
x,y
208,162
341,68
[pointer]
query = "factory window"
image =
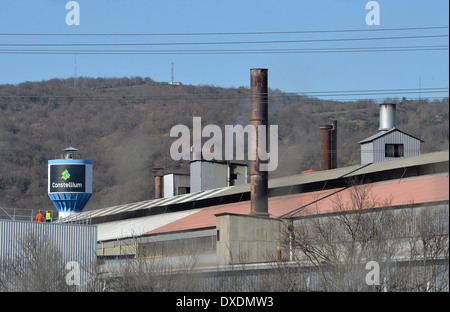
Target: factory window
x,y
182,246
393,150
184,190
173,247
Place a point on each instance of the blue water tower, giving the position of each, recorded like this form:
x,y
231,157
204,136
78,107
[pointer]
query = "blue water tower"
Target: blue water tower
x,y
69,183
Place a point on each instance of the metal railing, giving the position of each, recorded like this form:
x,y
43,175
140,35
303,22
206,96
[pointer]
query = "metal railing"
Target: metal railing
x,y
26,214
84,218
23,214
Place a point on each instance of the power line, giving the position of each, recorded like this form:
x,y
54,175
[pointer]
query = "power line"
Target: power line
x,y
236,51
217,42
335,93
229,33
338,100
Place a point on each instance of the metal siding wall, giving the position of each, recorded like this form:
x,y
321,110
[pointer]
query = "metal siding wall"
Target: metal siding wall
x,y
196,176
214,175
411,146
367,153
75,242
378,149
241,172
375,151
168,186
207,175
180,181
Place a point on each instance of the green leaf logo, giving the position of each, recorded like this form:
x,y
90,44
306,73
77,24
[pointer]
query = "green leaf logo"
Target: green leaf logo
x,y
65,175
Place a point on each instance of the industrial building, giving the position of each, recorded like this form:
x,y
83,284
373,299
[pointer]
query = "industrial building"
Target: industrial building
x,y
232,228
194,215
217,228
389,142
224,225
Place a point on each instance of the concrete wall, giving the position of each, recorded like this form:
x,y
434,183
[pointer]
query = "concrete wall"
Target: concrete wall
x,y
247,239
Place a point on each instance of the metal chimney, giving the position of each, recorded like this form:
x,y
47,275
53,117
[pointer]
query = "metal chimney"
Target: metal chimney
x,y
334,145
258,116
325,133
157,174
387,116
329,145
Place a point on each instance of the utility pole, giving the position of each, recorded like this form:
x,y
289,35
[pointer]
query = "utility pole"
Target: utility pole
x,y
172,72
75,72
420,108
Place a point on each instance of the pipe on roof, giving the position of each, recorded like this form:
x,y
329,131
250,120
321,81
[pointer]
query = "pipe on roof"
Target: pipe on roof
x,y
157,174
387,116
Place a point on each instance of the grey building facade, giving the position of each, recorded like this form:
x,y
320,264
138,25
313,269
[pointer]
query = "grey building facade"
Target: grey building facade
x,y
388,145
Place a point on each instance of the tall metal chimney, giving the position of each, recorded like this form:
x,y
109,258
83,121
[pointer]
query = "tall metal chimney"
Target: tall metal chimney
x,y
387,116
258,116
329,145
334,145
325,131
157,174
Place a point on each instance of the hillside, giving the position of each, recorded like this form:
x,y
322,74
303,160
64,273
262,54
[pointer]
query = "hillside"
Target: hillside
x,y
123,125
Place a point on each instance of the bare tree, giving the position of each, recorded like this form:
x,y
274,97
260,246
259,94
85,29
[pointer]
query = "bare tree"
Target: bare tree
x,y
362,229
150,271
428,249
35,266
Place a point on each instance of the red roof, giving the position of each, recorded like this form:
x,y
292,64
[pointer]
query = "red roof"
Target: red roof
x,y
414,190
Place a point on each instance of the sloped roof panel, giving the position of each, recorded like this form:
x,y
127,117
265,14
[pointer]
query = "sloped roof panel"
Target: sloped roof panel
x,y
414,190
138,226
383,133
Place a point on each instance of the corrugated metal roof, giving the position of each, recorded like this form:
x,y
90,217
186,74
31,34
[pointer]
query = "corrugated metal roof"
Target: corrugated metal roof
x,y
414,190
137,226
299,179
356,170
148,204
383,133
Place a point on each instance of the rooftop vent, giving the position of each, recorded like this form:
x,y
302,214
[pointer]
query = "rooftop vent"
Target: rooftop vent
x,y
387,116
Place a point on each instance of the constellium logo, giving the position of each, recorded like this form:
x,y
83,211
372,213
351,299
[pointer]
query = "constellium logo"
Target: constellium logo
x,y
65,175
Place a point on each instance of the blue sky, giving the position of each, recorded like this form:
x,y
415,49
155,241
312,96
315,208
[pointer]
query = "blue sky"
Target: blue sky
x,y
309,73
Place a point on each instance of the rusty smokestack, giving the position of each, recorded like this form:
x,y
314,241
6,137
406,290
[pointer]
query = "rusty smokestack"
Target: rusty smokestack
x,y
258,116
329,145
157,174
334,145
325,132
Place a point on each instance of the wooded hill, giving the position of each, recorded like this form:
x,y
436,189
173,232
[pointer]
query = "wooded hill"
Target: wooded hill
x,y
123,125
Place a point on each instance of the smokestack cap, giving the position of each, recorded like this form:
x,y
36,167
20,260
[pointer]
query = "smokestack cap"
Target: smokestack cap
x,y
326,127
157,171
